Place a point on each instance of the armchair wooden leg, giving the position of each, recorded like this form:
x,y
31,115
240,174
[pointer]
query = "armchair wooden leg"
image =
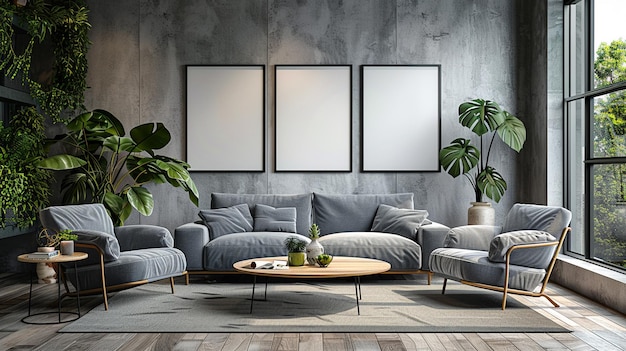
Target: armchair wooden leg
x,y
443,290
430,277
172,283
186,278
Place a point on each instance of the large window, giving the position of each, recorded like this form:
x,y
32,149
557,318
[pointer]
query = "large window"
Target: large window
x,y
595,105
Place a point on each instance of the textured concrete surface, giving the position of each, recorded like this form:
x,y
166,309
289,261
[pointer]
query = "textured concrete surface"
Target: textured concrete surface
x,y
140,49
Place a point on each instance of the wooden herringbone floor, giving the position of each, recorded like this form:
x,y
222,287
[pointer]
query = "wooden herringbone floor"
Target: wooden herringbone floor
x,y
594,328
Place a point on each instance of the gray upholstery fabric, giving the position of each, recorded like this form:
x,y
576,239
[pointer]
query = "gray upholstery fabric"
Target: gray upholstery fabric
x,y
132,266
400,221
475,266
430,237
535,257
549,219
302,203
220,254
87,216
472,237
271,219
222,221
190,238
353,213
402,253
106,242
143,236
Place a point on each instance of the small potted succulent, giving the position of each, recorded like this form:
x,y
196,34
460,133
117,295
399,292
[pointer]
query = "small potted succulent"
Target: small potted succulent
x,y
296,255
314,248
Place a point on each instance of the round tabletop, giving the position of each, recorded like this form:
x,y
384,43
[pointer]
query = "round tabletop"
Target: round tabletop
x,y
340,267
76,256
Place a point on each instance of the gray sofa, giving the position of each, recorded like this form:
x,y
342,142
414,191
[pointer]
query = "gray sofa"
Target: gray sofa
x,y
381,226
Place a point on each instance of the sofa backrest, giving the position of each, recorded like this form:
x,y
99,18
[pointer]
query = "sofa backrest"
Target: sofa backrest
x,y
302,203
353,213
73,217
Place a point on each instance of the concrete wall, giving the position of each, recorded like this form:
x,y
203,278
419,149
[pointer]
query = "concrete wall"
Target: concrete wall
x,y
140,49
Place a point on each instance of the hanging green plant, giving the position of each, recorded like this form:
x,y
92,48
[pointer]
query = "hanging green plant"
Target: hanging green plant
x,y
24,187
65,23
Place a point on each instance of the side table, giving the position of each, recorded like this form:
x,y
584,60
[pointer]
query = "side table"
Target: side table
x,y
75,257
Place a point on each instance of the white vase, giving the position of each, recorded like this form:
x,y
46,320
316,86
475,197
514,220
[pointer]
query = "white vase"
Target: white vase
x,y
46,274
313,249
481,213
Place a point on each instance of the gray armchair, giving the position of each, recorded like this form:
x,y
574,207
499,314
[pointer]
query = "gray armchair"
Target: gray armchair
x,y
516,258
119,257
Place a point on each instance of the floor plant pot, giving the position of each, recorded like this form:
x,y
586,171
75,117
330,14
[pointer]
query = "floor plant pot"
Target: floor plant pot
x,y
481,213
296,258
313,249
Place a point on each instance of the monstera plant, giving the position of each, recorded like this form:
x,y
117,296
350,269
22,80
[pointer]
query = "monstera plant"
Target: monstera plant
x,y
486,119
108,167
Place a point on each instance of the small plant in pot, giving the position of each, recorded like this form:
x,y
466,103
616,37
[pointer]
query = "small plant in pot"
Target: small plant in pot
x,y
314,248
296,255
49,240
486,119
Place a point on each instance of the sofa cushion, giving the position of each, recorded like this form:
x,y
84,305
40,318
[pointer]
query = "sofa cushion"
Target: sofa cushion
x,y
271,219
132,266
87,216
302,203
107,243
353,213
222,253
401,221
536,257
402,253
551,219
475,266
222,221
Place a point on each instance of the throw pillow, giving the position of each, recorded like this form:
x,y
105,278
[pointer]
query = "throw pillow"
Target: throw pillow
x,y
271,219
536,257
400,221
222,221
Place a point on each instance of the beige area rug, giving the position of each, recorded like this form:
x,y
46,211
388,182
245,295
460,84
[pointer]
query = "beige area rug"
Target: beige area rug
x,y
311,306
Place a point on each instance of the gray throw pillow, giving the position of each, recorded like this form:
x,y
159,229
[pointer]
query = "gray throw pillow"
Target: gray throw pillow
x,y
271,219
222,221
535,257
400,221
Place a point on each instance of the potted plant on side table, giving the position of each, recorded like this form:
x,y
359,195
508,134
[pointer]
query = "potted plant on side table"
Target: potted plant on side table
x,y
50,240
485,118
296,255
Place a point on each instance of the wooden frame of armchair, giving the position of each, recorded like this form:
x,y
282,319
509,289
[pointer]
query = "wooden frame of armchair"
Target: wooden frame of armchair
x,y
505,289
105,289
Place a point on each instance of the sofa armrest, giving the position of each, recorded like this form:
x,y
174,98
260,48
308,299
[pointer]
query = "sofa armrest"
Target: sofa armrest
x,y
143,236
471,237
191,238
430,237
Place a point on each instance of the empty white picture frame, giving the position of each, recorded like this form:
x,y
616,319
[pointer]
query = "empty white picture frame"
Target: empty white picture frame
x,y
400,110
226,118
313,111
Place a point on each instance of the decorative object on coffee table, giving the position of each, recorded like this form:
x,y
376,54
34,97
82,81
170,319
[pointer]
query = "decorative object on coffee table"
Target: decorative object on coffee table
x,y
461,157
323,260
296,255
314,248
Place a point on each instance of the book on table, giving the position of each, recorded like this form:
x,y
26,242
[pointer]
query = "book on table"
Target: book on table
x,y
43,255
269,265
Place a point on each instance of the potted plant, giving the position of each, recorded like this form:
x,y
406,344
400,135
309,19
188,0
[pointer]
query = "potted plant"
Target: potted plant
x,y
486,119
295,248
109,167
49,240
314,248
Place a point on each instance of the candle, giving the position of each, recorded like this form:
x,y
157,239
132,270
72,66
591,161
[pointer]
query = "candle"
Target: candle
x,y
67,247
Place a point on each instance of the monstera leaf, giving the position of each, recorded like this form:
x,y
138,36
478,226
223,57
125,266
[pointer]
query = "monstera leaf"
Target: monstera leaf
x,y
459,158
481,116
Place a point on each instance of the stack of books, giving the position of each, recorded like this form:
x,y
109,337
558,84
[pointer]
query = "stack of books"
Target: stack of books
x,y
43,255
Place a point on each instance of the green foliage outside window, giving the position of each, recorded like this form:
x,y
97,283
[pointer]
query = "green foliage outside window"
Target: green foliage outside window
x,y
609,140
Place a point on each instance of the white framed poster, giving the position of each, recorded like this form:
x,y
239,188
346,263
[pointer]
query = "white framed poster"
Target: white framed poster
x,y
313,111
401,118
226,118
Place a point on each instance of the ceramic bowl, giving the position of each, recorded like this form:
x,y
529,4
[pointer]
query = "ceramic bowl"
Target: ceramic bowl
x,y
325,262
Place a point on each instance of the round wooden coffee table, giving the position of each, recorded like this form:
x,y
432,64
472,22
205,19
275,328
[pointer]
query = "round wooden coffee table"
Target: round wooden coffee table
x,y
355,267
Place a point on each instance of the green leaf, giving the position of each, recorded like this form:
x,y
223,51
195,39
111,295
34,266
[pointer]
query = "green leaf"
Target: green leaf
x,y
114,127
176,171
118,144
512,132
480,116
148,138
141,200
491,183
114,203
61,162
459,158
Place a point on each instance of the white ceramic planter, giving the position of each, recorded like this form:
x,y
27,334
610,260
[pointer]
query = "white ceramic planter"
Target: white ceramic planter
x,y
313,249
481,213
